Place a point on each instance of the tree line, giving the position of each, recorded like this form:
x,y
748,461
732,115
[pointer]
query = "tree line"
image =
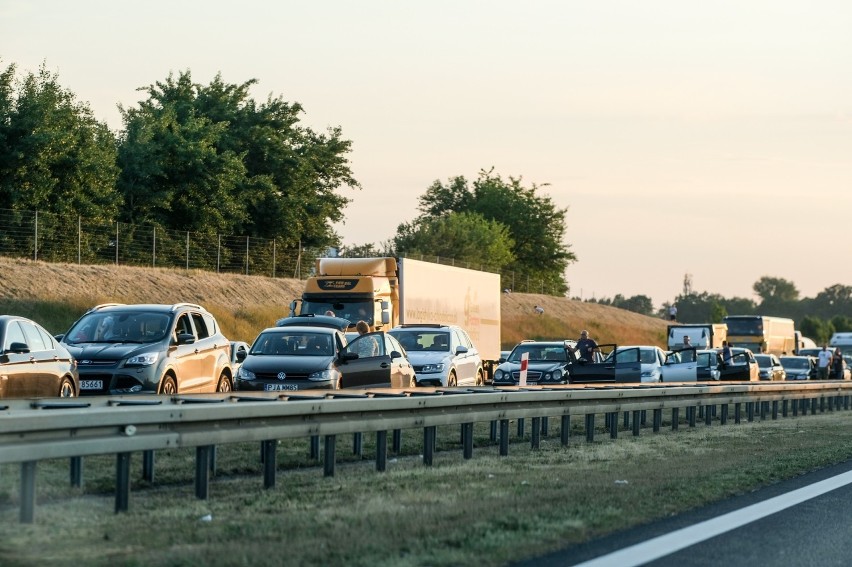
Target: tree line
x,y
210,160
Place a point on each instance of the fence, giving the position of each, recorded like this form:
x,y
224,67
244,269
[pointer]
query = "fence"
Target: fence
x,y
35,430
71,239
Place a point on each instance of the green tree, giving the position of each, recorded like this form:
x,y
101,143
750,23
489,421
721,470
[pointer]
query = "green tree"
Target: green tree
x,y
535,224
817,329
54,155
637,303
776,289
468,238
700,308
209,159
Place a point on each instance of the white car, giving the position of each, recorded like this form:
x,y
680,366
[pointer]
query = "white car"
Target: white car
x,y
442,355
657,366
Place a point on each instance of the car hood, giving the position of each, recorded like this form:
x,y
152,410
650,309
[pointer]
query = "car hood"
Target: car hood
x,y
796,372
295,364
109,351
426,357
537,366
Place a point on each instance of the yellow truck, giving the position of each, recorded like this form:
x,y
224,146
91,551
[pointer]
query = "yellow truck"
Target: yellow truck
x,y
386,292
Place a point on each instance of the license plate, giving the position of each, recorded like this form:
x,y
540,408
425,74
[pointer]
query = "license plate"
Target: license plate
x,y
91,384
278,387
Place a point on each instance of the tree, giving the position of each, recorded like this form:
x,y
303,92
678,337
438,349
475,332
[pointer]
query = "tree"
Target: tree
x,y
700,308
466,237
817,329
777,289
535,225
637,303
209,159
54,155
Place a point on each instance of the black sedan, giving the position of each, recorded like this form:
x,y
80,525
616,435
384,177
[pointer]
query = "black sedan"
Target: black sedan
x,y
33,363
312,353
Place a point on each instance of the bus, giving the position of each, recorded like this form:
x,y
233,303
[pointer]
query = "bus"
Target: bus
x,y
762,334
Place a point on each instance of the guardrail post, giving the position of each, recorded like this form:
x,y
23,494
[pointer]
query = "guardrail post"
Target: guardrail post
x,y
76,471
626,420
813,406
357,444
675,418
520,427
723,415
590,427
535,438
202,471
148,465
381,450
764,407
795,406
330,456
268,449
658,420
314,449
28,500
738,407
396,441
784,404
428,444
701,412
750,411
122,482
467,440
637,421
544,426
691,411
565,429
613,424
504,437
708,415
774,409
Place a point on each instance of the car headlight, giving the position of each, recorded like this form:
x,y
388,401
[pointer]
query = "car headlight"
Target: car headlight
x,y
246,374
430,368
321,376
146,359
647,374
498,374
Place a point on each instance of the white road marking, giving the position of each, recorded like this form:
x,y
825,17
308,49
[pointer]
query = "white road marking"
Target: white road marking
x,y
658,547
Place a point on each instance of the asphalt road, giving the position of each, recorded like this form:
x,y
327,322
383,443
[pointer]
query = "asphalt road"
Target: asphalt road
x,y
806,521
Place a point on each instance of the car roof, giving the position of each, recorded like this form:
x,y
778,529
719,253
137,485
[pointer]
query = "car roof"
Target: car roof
x,y
144,307
424,326
338,323
300,329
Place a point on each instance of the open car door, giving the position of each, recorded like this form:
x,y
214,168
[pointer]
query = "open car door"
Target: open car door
x,y
737,369
365,363
681,366
609,365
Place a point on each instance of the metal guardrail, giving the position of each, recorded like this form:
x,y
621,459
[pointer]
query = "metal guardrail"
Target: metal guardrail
x,y
35,430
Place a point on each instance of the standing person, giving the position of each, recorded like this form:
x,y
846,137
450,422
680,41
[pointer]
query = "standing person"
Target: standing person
x,y
726,352
367,347
673,312
687,342
824,358
837,365
585,347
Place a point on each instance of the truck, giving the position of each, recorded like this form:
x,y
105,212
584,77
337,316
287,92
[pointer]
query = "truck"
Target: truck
x,y
386,292
701,335
762,334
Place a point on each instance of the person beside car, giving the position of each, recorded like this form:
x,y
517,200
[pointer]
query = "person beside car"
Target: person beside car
x,y
585,346
726,352
824,358
837,365
367,347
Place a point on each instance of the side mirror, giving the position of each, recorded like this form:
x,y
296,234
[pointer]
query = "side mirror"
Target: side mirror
x,y
18,348
185,339
395,354
241,355
461,349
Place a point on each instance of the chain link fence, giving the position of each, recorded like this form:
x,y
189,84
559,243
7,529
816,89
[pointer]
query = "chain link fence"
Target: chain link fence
x,y
72,239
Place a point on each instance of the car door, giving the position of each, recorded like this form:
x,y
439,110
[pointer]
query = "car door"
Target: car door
x,y
738,368
681,369
18,371
402,372
371,370
207,355
465,361
622,365
185,359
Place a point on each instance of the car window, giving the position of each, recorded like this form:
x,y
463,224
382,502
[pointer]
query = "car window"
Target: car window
x,y
210,322
367,346
34,340
49,343
14,334
392,344
627,355
183,327
200,326
647,356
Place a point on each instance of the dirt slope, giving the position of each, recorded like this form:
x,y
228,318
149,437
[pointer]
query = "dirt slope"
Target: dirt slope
x,y
92,284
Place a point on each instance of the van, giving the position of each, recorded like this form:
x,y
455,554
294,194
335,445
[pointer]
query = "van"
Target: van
x,y
843,341
701,335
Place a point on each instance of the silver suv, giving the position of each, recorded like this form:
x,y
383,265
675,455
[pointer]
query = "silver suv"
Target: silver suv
x,y
442,355
152,348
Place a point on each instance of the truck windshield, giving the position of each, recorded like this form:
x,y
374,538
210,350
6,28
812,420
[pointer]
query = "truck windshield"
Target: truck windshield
x,y
353,310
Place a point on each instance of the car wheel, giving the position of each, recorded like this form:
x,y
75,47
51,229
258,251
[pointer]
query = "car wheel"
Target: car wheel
x,y
66,389
480,381
452,381
224,384
168,386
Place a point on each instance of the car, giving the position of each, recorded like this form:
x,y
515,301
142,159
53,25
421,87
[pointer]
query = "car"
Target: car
x,y
709,361
770,367
742,366
800,367
33,364
442,355
547,363
149,348
309,352
236,347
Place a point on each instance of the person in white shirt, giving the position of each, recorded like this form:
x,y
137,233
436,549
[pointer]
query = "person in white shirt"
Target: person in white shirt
x,y
824,362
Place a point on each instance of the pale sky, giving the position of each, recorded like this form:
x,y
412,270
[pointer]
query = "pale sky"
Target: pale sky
x,y
709,138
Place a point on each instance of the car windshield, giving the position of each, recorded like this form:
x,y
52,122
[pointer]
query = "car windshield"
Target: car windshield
x,y
295,343
795,363
705,359
414,340
540,353
119,327
763,360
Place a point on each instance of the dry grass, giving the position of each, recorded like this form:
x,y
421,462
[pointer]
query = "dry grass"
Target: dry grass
x,y
56,294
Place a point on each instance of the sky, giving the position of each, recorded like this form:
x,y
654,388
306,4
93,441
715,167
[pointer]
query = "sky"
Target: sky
x,y
705,138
